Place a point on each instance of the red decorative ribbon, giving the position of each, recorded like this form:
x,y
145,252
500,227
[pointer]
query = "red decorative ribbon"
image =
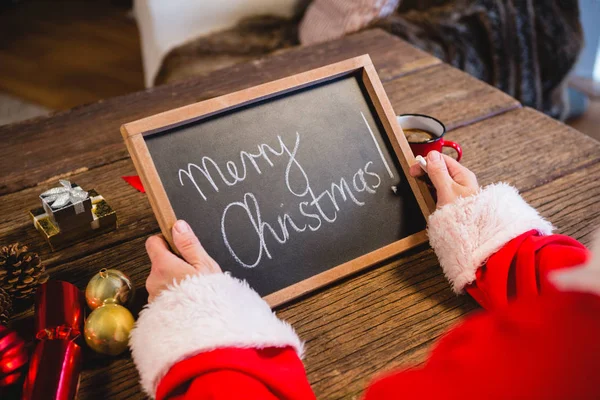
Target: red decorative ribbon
x,y
135,182
56,361
13,356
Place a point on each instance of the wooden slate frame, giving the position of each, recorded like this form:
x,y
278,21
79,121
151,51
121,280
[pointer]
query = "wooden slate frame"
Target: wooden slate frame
x,y
133,134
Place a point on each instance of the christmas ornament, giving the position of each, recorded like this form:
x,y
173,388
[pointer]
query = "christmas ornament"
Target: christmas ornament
x,y
107,328
70,214
68,206
65,194
108,284
5,307
13,356
21,271
57,358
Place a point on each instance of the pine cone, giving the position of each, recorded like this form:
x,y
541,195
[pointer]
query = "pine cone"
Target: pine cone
x,y
5,307
21,271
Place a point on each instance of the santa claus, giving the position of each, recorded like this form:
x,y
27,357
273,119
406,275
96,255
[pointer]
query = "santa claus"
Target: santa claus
x,y
207,335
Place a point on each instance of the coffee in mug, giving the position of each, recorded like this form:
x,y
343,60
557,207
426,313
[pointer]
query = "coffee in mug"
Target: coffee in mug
x,y
418,136
424,134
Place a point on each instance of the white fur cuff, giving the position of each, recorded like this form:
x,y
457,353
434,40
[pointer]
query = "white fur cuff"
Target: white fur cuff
x,y
466,233
203,313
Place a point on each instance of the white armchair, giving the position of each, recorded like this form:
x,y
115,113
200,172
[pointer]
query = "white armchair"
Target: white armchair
x,y
164,24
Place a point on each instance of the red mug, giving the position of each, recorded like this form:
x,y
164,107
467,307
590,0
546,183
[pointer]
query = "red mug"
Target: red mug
x,y
432,126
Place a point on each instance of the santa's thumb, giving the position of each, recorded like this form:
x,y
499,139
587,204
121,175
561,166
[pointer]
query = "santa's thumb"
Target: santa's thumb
x,y
437,170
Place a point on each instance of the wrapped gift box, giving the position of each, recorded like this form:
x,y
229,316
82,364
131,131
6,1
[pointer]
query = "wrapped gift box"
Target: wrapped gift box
x,y
68,205
103,219
57,358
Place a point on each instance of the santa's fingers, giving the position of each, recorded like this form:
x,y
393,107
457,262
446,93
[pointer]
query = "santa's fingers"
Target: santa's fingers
x,y
191,250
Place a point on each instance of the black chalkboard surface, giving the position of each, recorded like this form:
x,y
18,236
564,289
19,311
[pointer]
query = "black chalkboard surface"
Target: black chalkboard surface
x,y
286,187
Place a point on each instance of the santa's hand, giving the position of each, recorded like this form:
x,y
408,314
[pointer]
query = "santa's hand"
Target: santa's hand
x,y
450,179
167,268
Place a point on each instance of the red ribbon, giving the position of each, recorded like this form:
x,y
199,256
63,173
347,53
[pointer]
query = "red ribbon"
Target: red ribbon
x,y
56,361
135,182
13,356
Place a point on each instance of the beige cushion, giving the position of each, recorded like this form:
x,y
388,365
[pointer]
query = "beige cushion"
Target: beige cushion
x,y
331,19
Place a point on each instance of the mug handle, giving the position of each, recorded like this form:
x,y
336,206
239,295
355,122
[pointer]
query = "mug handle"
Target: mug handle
x,y
456,147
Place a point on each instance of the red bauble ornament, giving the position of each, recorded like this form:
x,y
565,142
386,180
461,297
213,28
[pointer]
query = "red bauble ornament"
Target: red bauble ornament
x,y
13,356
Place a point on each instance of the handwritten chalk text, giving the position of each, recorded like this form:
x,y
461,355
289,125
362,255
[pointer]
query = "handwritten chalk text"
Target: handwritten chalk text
x,y
312,211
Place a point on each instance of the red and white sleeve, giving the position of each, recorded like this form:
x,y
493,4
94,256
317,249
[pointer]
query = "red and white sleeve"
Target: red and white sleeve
x,y
212,336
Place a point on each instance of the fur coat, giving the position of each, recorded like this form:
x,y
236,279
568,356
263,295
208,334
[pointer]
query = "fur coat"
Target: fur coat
x,y
524,48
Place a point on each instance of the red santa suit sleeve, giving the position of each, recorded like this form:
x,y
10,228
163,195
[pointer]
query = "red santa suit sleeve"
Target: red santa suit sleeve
x,y
498,248
544,348
213,337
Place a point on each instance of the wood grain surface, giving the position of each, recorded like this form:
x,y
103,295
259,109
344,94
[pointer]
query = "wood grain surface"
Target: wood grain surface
x,y
524,148
387,316
448,94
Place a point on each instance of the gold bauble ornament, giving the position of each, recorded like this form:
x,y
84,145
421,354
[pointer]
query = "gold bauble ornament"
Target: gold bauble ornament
x,y
108,284
107,328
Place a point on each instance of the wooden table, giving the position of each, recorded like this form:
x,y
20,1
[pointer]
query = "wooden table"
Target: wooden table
x,y
380,319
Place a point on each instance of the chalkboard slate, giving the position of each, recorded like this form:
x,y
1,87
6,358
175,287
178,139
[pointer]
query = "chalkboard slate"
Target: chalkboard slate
x,y
288,186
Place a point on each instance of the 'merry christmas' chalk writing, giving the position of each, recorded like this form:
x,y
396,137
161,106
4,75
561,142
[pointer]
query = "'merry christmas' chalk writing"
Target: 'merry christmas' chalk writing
x,y
312,210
